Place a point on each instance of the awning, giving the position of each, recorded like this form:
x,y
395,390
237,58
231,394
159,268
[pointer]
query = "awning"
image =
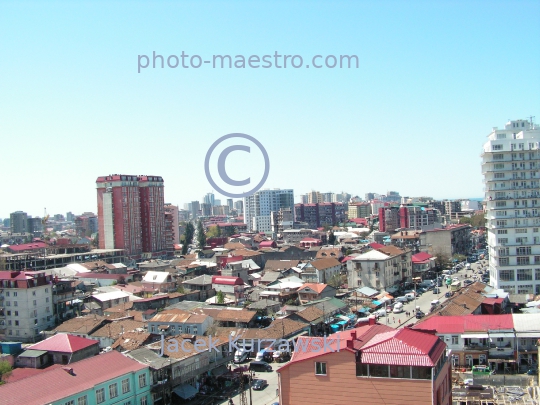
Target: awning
x,y
502,335
343,318
185,391
535,335
475,336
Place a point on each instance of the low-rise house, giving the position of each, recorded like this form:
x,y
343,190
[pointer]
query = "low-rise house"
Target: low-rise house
x,y
134,340
201,283
158,282
81,326
62,348
265,307
109,299
232,287
374,362
315,291
176,321
321,270
283,289
110,378
329,252
109,333
229,317
421,263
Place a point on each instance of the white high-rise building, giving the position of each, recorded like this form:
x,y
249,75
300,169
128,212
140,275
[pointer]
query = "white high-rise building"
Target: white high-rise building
x,y
258,207
510,165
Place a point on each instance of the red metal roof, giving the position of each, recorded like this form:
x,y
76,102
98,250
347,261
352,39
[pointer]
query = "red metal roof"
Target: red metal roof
x,y
267,243
421,257
64,343
376,245
55,384
466,323
227,280
28,246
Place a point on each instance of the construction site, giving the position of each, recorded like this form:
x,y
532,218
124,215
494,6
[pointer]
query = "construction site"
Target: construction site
x,y
493,391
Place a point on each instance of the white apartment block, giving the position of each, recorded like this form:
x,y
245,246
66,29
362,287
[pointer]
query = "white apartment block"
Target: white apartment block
x,y
26,305
259,206
510,165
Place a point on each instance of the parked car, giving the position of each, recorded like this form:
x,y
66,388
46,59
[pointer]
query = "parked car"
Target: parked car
x,y
467,282
448,294
419,314
403,298
436,290
260,366
259,385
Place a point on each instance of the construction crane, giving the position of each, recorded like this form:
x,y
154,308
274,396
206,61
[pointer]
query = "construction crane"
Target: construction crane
x,y
44,222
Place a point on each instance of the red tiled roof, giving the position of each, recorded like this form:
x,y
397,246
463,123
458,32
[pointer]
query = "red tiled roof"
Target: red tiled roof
x,y
28,246
64,343
56,384
466,323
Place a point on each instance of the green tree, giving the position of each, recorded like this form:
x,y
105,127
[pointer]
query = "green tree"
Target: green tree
x,y
220,297
180,289
201,236
476,221
442,261
331,238
337,280
188,237
5,369
213,232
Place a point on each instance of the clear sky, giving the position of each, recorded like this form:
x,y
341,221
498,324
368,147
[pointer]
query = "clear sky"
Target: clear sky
x,y
433,79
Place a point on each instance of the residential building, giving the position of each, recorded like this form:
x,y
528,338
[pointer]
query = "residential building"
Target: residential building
x,y
317,215
18,222
373,363
131,214
421,263
209,198
315,291
321,270
380,268
259,206
34,226
239,206
359,210
195,209
66,349
158,282
314,197
174,212
232,287
108,379
176,322
453,239
26,305
510,164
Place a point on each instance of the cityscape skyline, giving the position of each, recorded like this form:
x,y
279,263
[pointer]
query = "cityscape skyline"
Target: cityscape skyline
x,y
433,79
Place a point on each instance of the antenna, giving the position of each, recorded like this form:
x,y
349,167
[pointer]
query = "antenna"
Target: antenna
x,y
531,117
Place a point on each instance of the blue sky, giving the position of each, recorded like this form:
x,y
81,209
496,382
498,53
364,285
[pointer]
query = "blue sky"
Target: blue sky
x,y
433,79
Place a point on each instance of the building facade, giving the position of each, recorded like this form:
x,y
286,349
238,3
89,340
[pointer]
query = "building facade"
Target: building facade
x,y
131,214
18,222
26,305
259,206
510,165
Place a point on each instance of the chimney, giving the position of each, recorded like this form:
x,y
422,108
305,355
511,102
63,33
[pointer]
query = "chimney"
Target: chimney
x,y
353,335
372,320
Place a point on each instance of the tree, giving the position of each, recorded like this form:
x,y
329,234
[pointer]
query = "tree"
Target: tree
x,y
331,238
442,261
337,280
5,370
180,289
188,237
122,280
476,221
201,236
220,297
213,232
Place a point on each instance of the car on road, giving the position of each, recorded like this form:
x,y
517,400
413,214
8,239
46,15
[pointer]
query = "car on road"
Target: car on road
x,y
419,314
436,290
467,282
259,385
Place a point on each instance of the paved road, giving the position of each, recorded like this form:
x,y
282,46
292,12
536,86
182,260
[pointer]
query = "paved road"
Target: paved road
x,y
267,396
424,301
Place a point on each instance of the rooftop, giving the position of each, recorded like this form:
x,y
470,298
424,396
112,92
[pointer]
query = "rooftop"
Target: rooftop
x,y
64,343
55,384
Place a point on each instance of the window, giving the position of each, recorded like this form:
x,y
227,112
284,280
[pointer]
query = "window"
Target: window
x,y
497,147
525,289
498,156
522,260
144,401
524,274
499,175
537,274
499,166
500,204
33,293
125,386
378,370
14,293
455,340
361,370
16,323
320,368
421,373
400,372
503,240
100,395
142,380
504,261
72,402
82,401
113,390
521,230
15,304
506,275
502,231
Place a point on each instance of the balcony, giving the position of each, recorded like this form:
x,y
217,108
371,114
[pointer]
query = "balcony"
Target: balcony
x,y
476,347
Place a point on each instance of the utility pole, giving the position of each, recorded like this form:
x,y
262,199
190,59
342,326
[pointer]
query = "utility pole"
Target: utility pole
x,y
243,399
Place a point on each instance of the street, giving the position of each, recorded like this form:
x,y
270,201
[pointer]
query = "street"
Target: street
x,y
266,396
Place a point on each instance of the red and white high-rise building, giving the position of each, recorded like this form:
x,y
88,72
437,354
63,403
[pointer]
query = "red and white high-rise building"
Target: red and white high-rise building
x,y
131,214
